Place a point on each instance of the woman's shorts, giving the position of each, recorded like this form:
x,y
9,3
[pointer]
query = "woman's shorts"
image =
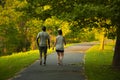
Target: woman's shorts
x,y
59,50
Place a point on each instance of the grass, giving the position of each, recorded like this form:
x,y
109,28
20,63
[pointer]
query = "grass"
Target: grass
x,y
98,64
10,65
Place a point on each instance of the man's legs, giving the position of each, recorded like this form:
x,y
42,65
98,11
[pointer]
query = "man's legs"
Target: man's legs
x,y
40,51
40,57
43,50
45,54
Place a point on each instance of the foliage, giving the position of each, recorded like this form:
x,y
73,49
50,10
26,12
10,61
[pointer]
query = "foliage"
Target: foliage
x,y
8,43
25,18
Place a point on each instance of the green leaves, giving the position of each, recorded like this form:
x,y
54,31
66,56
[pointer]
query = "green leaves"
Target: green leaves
x,y
27,16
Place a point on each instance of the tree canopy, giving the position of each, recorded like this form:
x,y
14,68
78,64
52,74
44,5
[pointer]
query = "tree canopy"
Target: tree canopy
x,y
21,20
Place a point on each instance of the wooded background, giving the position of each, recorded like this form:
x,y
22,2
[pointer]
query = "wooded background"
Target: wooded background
x,y
80,20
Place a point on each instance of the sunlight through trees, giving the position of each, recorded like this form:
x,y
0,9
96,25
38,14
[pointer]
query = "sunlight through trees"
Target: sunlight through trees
x,y
21,20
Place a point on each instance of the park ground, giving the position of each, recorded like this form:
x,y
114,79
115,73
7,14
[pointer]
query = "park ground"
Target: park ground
x,y
72,68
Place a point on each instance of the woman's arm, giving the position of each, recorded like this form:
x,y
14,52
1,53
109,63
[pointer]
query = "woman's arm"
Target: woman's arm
x,y
64,41
54,44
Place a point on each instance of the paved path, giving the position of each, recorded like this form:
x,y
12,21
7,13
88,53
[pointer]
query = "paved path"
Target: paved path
x,y
70,70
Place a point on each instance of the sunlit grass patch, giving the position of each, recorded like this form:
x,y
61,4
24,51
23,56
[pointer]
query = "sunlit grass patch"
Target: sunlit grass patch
x,y
98,64
11,64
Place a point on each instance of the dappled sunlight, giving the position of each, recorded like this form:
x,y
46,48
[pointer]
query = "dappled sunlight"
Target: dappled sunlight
x,y
47,7
79,20
65,27
21,54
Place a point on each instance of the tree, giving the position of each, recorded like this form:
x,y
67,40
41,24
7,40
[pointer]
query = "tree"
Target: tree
x,y
8,30
83,12
11,35
78,10
115,17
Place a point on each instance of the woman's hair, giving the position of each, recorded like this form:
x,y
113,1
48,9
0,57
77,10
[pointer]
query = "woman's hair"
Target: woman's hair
x,y
60,32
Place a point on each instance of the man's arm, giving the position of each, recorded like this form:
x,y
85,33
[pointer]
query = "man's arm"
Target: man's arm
x,y
37,39
49,42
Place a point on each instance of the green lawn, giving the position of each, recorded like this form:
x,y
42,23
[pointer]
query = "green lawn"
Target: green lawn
x,y
10,65
98,64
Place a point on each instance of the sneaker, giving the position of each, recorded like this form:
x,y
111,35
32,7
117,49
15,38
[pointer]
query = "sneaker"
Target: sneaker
x,y
44,63
61,63
40,62
58,64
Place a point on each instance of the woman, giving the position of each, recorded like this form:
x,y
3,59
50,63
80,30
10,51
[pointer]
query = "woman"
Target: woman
x,y
59,43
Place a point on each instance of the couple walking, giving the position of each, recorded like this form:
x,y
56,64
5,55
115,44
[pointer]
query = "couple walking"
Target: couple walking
x,y
45,41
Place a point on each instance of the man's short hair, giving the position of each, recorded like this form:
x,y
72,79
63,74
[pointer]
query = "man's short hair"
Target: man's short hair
x,y
44,28
60,32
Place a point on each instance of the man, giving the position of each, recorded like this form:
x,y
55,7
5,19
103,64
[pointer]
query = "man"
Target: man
x,y
43,43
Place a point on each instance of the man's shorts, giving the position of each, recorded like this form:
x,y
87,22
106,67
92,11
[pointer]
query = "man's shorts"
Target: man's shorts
x,y
43,49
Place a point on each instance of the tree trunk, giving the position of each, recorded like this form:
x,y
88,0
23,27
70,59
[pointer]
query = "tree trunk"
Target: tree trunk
x,y
102,38
116,57
33,42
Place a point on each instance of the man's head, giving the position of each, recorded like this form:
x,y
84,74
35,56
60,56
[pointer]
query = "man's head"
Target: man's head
x,y
60,32
44,28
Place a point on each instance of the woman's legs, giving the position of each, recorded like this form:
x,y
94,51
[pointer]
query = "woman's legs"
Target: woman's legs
x,y
58,56
61,57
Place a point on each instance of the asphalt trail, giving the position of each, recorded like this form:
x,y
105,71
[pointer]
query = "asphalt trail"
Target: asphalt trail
x,y
72,69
